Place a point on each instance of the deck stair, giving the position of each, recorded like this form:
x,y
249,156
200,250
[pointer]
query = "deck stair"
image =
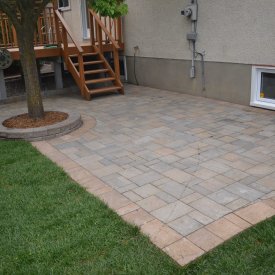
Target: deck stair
x,y
87,64
90,69
99,77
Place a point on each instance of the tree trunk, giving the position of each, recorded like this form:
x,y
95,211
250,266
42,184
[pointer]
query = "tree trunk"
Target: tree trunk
x,y
28,62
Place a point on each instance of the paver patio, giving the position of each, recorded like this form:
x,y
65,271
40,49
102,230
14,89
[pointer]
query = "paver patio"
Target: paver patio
x,y
191,172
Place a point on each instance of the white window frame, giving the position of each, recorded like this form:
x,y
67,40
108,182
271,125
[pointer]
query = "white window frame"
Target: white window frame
x,y
65,8
256,99
85,28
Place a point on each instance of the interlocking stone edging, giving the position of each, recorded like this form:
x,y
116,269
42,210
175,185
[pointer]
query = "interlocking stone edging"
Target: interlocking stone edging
x,y
73,122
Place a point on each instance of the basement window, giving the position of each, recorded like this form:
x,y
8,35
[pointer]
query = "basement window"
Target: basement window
x,y
64,5
263,87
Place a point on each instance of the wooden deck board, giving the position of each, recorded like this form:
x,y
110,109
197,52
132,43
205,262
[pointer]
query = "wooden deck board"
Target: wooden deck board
x,y
42,52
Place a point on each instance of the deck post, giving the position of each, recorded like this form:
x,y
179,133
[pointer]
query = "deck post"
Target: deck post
x,y
58,74
3,90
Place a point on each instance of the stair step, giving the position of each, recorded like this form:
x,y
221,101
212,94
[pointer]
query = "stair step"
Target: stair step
x,y
84,54
104,90
100,80
97,71
91,62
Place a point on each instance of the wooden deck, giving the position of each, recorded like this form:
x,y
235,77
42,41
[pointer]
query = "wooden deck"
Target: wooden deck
x,y
49,52
49,30
85,61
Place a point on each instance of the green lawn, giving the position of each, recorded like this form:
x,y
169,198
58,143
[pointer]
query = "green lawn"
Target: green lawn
x,y
50,225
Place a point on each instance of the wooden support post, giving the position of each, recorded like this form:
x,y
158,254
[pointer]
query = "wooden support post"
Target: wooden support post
x,y
3,90
116,63
119,30
81,73
92,29
99,37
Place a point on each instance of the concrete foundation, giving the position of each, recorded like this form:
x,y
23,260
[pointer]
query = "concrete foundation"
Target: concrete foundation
x,y
3,90
224,81
58,74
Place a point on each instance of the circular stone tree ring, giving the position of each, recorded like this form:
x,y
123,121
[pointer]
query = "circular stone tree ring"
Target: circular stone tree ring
x,y
5,59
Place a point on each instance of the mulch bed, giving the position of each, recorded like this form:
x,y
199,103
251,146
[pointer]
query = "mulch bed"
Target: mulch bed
x,y
24,121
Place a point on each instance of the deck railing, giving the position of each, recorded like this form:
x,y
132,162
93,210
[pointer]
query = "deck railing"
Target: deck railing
x,y
45,31
101,35
64,33
112,25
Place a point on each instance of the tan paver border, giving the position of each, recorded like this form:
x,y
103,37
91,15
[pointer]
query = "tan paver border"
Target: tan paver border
x,y
182,249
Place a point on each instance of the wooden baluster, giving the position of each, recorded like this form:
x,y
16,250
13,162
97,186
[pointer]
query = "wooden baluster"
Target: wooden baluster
x,y
119,30
3,33
116,63
92,29
115,29
65,45
81,72
110,25
39,30
99,37
14,37
57,30
6,33
105,36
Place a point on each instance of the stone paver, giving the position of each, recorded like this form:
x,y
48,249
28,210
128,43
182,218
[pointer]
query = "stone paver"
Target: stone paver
x,y
171,211
165,159
205,239
138,217
210,208
151,203
256,213
184,251
160,233
223,228
185,225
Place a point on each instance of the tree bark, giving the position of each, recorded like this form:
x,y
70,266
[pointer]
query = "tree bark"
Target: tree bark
x,y
28,62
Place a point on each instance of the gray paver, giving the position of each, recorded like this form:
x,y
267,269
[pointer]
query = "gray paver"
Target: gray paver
x,y
146,178
172,211
146,190
185,225
244,191
210,208
223,197
166,197
151,203
198,216
176,189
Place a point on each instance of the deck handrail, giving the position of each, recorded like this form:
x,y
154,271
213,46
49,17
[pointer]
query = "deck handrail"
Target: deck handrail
x,y
102,26
79,75
68,31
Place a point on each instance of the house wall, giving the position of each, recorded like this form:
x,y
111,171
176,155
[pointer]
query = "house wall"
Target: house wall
x,y
234,35
73,18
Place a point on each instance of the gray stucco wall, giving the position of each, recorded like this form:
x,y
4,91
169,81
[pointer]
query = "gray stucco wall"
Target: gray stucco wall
x,y
234,35
73,18
224,81
229,30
